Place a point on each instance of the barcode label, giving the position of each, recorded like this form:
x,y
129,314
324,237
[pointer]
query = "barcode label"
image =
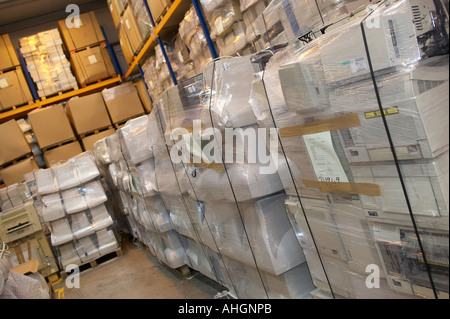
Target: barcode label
x,y
358,64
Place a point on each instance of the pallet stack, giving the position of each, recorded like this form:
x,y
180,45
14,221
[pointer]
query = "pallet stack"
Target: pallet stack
x,y
47,64
14,90
123,103
75,210
86,45
54,134
16,157
89,118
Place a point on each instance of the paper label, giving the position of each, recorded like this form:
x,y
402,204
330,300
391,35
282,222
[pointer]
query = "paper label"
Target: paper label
x,y
324,159
3,84
358,65
219,25
92,59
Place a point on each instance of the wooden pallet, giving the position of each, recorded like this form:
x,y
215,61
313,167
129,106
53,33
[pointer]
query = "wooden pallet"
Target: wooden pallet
x,y
59,144
99,80
17,160
95,262
16,107
59,93
101,44
100,130
13,68
121,123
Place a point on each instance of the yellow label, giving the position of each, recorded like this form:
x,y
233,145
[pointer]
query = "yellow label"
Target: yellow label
x,y
377,114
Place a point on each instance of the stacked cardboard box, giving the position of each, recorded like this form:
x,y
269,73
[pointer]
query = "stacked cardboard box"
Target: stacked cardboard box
x,y
89,118
122,103
54,134
88,53
16,155
47,63
14,90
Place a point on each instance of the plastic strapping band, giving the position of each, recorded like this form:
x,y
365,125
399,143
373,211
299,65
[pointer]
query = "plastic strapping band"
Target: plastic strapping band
x,y
232,189
397,164
296,190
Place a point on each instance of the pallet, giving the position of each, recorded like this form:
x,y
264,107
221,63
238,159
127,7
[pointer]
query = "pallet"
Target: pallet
x,y
12,68
118,125
99,80
16,107
87,134
16,160
95,262
59,144
60,92
101,44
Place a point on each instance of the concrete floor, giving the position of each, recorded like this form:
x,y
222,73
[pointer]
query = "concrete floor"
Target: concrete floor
x,y
138,275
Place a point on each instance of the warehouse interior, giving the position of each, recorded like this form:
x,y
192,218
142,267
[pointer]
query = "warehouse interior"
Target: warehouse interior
x,y
212,149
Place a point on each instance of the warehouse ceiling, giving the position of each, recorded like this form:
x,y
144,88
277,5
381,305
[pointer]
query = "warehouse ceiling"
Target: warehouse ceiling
x,y
19,14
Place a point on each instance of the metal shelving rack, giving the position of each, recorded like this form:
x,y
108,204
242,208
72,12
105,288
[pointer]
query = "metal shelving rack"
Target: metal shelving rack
x,y
39,103
176,12
178,8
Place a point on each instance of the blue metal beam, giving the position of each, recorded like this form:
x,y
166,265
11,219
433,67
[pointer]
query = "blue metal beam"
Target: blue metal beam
x,y
112,54
161,44
199,12
27,76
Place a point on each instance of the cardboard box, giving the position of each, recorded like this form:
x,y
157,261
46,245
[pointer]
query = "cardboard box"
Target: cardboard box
x,y
8,56
14,173
132,28
143,94
125,45
13,143
88,142
122,102
92,64
89,32
115,13
14,89
87,113
62,153
50,125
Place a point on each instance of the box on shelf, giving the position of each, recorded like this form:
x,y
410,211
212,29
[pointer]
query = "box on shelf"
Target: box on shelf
x,y
88,141
87,34
14,90
14,173
115,11
51,126
158,8
132,29
143,94
122,102
125,45
92,64
62,153
8,56
47,63
13,143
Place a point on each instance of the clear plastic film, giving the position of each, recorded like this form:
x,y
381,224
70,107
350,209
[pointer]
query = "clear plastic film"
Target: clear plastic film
x,y
88,248
366,169
133,138
221,16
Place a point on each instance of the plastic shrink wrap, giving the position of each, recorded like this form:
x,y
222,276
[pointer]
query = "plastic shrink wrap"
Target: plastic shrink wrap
x,y
366,159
